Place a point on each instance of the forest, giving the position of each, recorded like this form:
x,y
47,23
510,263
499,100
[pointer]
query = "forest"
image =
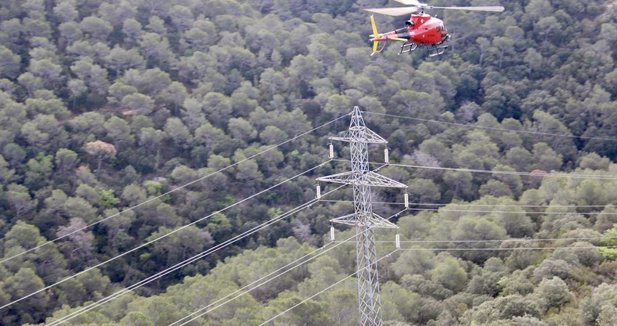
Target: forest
x,y
137,134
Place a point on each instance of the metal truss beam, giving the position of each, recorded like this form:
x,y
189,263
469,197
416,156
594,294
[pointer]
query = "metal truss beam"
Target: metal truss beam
x,y
364,219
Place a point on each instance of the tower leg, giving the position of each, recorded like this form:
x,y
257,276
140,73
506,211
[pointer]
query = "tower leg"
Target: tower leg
x,y
369,300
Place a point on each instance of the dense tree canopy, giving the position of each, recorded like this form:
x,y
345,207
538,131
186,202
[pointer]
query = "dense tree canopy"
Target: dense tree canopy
x,y
107,104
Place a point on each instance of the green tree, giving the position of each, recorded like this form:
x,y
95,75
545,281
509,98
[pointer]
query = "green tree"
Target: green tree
x,y
66,161
469,228
610,240
38,171
594,305
120,60
65,11
96,28
24,282
554,293
20,200
119,131
79,244
9,63
449,273
100,150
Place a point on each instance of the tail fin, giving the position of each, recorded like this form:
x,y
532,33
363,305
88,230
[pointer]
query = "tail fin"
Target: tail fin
x,y
375,35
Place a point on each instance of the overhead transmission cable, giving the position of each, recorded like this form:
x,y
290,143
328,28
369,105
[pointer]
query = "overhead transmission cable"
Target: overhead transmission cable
x,y
475,126
326,289
507,249
417,249
515,240
462,210
190,260
186,262
161,237
468,170
271,276
149,200
472,205
519,173
261,281
504,212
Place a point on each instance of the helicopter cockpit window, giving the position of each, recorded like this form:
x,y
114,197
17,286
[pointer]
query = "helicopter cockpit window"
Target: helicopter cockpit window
x,y
409,23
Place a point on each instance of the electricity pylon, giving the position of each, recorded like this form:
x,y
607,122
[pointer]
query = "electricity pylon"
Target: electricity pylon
x,y
364,219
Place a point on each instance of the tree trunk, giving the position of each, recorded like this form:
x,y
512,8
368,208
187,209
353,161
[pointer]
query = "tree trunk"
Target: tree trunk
x,y
98,165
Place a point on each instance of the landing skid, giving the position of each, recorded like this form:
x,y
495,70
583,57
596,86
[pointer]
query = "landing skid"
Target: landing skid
x,y
438,50
433,51
408,47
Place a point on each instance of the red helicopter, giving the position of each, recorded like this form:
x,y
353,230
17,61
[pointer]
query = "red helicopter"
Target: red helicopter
x,y
421,29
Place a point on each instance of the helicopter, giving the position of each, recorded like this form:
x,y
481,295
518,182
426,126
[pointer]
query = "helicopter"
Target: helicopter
x,y
421,29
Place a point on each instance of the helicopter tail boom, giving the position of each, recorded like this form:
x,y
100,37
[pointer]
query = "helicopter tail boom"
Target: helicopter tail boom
x,y
376,37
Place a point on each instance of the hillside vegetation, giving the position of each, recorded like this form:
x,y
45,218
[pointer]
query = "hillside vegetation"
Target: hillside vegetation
x,y
107,104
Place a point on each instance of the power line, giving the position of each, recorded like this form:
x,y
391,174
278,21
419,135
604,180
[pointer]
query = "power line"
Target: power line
x,y
326,289
183,320
161,237
441,210
200,312
420,249
5,259
473,205
519,240
253,286
542,133
518,173
186,262
506,249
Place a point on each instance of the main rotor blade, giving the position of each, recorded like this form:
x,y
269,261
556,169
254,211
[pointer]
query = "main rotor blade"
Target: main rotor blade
x,y
481,8
409,2
396,11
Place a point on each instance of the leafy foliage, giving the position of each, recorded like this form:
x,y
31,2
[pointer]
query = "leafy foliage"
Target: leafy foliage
x,y
107,104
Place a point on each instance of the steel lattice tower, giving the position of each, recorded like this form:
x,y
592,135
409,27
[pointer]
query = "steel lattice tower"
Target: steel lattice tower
x,y
364,219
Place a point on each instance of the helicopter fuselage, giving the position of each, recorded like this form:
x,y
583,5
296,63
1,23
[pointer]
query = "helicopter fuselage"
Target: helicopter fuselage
x,y
421,29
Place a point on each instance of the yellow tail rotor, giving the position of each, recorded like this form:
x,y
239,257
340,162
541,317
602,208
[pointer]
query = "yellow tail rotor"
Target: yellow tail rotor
x,y
375,35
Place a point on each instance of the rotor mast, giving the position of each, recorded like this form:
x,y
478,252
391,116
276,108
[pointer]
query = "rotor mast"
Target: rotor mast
x,y
364,219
